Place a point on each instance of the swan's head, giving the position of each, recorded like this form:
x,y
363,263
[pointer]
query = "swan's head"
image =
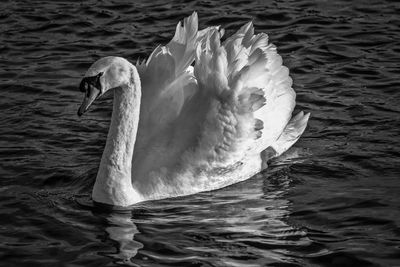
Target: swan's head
x,y
105,74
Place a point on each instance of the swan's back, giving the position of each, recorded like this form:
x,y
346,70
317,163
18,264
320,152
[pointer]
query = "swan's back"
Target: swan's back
x,y
204,127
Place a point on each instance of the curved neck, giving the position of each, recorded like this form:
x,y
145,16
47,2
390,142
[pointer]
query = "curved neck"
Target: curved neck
x,y
114,181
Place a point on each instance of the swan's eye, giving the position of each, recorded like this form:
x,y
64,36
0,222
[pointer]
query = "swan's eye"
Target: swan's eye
x,y
88,82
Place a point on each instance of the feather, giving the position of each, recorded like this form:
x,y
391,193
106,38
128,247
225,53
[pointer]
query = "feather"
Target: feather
x,y
234,103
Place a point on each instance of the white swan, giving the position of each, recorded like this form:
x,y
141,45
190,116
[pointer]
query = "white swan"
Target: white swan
x,y
177,130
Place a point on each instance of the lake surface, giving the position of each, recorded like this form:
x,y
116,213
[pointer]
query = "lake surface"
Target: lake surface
x,y
332,200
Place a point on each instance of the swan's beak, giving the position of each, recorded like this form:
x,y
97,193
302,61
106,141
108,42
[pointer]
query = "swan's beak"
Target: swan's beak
x,y
90,95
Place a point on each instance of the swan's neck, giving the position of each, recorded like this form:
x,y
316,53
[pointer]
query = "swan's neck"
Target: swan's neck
x,y
114,182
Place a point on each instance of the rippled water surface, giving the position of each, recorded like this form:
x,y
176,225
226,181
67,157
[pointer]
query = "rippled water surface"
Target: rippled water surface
x,y
333,200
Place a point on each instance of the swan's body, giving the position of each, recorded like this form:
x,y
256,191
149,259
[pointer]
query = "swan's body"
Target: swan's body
x,y
177,130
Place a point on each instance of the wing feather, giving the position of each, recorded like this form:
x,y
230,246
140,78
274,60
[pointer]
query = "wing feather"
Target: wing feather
x,y
166,83
168,112
234,103
250,95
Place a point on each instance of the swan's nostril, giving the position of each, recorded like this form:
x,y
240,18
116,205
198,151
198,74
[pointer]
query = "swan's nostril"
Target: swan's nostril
x,y
91,94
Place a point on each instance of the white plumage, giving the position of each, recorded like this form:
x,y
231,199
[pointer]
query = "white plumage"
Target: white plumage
x,y
199,127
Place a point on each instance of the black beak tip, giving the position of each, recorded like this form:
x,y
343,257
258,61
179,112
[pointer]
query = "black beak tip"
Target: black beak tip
x,y
80,112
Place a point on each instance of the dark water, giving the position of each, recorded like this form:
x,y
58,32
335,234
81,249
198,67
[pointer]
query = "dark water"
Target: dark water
x,y
334,202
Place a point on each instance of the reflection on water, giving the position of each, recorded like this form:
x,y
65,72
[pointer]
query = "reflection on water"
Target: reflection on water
x,y
122,230
234,227
333,202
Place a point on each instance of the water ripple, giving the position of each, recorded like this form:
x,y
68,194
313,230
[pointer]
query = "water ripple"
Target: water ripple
x,y
333,201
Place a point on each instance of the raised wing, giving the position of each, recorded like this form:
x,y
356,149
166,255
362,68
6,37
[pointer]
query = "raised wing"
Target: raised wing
x,y
250,97
234,103
168,85
164,79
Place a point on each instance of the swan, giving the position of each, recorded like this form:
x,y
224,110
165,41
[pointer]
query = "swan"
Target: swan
x,y
197,115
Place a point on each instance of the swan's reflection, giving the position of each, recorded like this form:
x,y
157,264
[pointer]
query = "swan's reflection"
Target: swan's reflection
x,y
250,218
122,230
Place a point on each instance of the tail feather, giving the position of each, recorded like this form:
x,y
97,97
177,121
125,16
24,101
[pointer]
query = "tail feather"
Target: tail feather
x,y
292,132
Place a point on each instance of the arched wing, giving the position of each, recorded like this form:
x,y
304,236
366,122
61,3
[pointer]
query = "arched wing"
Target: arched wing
x,y
164,79
168,86
235,102
250,97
